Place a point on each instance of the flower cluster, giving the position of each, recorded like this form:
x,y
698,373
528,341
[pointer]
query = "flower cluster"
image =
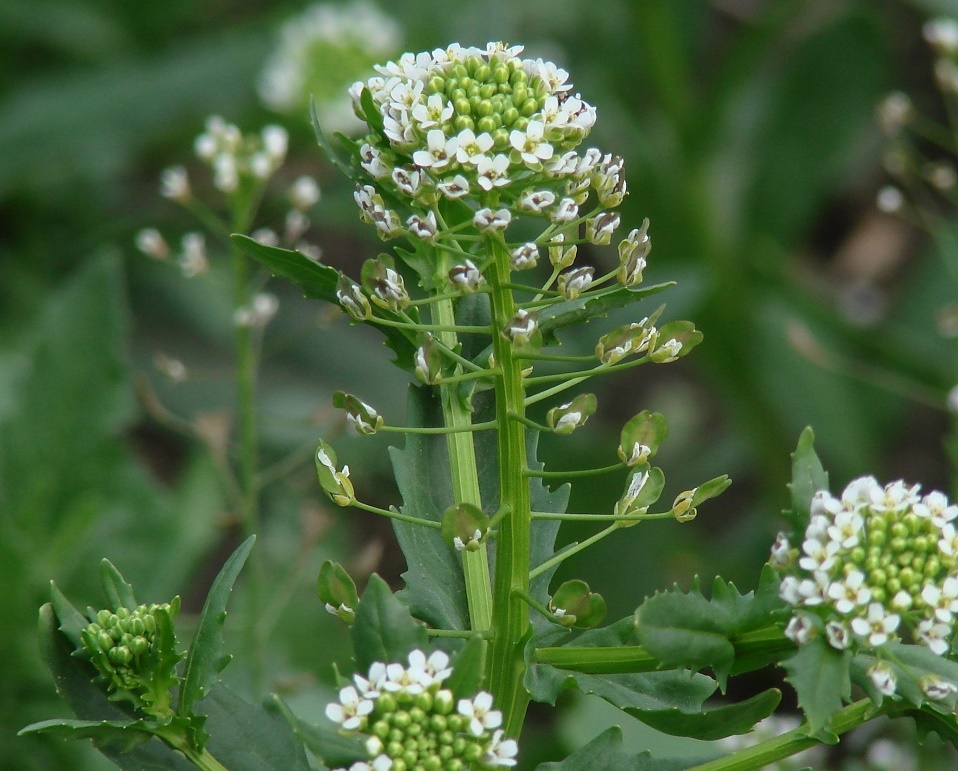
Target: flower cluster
x,y
134,651
414,723
498,134
877,564
320,52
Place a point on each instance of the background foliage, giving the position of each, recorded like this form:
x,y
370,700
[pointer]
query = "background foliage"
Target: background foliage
x,y
750,141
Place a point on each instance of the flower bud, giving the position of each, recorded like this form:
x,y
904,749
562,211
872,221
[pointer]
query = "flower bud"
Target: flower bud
x,y
599,229
466,277
384,284
522,329
524,257
633,251
560,256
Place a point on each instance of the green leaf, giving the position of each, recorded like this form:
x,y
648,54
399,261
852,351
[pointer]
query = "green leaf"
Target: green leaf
x,y
684,629
619,633
319,282
335,749
572,312
716,722
250,737
205,659
121,736
326,146
384,630
820,676
808,477
72,622
118,591
606,753
373,117
467,665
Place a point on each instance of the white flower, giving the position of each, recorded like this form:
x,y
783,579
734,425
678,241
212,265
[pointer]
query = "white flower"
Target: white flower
x,y
433,113
304,192
599,229
844,532
454,188
781,549
501,751
942,35
423,227
474,540
225,173
524,257
572,283
480,713
531,145
488,220
850,593
409,181
935,635
466,276
440,151
472,148
882,678
399,679
566,211
175,184
351,710
521,327
943,600
492,172
192,259
937,689
878,627
535,201
371,160
838,635
948,544
799,630
152,244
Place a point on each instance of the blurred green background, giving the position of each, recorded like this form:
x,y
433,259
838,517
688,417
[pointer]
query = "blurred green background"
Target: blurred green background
x,y
749,132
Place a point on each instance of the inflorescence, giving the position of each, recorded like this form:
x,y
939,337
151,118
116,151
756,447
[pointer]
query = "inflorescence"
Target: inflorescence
x,y
876,565
414,724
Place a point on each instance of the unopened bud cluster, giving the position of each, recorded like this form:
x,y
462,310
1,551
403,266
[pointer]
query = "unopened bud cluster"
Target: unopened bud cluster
x,y
414,724
129,647
877,564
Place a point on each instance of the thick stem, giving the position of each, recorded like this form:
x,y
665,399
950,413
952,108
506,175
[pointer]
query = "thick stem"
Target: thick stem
x,y
506,665
465,478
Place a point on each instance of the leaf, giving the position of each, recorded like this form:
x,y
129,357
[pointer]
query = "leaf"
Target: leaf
x,y
686,630
384,630
808,477
606,753
72,622
326,146
205,659
319,282
334,748
435,588
716,722
572,312
250,737
119,736
117,590
820,676
619,633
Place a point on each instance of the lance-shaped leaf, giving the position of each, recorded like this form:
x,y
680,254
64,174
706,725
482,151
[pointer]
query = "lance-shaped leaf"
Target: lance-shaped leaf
x,y
205,658
117,590
820,676
321,282
335,749
607,752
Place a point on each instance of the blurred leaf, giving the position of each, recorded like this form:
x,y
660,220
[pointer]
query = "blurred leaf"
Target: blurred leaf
x,y
467,664
118,592
605,752
205,659
76,29
319,282
322,739
808,477
384,630
820,676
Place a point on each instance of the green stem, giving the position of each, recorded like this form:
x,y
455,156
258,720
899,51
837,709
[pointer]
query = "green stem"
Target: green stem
x,y
588,472
439,430
465,475
768,752
396,515
599,660
246,370
506,665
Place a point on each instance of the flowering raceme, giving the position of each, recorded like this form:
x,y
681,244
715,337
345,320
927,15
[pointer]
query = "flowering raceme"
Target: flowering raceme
x,y
413,722
876,565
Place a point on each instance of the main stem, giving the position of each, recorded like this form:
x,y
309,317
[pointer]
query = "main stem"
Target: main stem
x,y
465,479
506,665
